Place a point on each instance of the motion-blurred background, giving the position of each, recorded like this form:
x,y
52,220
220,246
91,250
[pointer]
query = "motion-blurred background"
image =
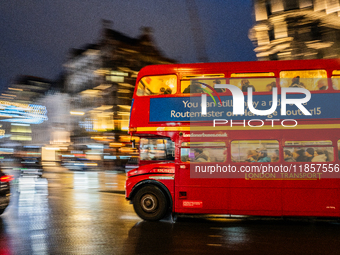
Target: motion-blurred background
x,y
68,69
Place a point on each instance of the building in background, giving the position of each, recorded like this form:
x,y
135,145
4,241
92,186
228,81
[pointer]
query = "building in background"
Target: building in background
x,y
26,89
100,79
296,29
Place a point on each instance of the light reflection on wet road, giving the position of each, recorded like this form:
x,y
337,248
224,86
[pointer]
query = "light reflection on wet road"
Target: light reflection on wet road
x,y
86,213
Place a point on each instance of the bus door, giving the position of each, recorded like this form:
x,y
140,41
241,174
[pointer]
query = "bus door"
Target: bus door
x,y
200,195
256,192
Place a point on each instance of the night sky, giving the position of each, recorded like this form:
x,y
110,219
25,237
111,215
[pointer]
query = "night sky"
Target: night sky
x,y
36,35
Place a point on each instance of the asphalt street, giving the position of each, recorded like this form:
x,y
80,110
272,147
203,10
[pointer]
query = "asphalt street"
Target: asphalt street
x,y
67,212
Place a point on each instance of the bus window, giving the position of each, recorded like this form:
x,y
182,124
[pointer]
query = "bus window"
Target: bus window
x,y
156,149
258,84
308,151
308,79
204,152
255,151
336,79
198,85
336,82
157,85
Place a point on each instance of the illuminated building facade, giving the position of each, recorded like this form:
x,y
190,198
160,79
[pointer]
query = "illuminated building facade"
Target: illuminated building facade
x,y
296,29
19,111
100,79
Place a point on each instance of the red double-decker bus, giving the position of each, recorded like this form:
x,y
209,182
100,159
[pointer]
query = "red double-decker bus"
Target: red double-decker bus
x,y
280,164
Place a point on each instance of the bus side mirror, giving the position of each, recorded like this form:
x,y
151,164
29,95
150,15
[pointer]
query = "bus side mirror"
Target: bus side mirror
x,y
133,143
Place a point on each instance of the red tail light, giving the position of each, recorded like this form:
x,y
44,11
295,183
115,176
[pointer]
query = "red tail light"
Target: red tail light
x,y
6,178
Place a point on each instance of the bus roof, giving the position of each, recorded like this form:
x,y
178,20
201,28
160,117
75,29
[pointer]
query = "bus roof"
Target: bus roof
x,y
249,66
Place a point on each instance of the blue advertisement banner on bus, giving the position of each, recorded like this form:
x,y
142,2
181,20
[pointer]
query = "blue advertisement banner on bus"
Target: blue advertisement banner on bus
x,y
320,106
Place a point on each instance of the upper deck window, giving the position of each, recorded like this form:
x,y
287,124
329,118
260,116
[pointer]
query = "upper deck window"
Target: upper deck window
x,y
336,79
257,84
308,79
198,83
157,85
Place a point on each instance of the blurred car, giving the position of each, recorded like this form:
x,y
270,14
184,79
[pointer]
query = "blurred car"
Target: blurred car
x,y
5,191
80,164
132,163
30,166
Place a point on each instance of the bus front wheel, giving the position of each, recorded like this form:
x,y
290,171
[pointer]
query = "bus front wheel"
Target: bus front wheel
x,y
150,203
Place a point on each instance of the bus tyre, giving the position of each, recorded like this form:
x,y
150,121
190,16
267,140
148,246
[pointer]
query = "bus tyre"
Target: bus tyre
x,y
150,203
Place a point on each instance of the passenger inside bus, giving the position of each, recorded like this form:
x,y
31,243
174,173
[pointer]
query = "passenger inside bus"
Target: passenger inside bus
x,y
322,85
336,82
299,155
275,156
218,89
194,87
309,154
270,86
319,156
245,85
263,156
296,83
288,156
251,156
164,91
200,156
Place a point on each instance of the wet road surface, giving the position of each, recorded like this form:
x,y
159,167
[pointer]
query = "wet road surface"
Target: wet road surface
x,y
86,213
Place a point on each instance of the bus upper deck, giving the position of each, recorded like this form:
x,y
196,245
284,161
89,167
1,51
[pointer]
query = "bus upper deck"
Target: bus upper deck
x,y
167,92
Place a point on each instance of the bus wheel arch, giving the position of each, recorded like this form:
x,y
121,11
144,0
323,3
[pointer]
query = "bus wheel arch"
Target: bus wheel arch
x,y
151,200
